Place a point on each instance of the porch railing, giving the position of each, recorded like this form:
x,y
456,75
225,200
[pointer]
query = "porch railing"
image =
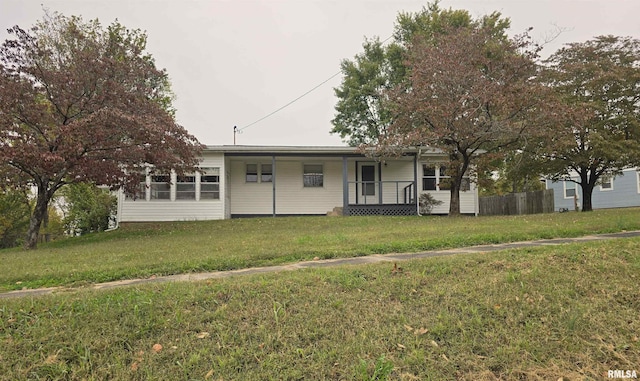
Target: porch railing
x,y
381,192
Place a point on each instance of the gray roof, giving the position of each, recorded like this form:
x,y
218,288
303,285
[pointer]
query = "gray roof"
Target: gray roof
x,y
303,150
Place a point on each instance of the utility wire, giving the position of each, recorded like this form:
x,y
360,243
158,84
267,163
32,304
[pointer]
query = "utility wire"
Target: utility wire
x,y
268,115
298,98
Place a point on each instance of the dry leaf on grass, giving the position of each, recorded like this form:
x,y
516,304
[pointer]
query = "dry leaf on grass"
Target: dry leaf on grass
x,y
420,331
51,359
156,348
202,335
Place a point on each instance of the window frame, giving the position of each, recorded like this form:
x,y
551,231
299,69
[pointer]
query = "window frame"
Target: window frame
x,y
155,182
439,177
606,180
564,189
205,173
247,173
263,174
313,176
141,191
189,193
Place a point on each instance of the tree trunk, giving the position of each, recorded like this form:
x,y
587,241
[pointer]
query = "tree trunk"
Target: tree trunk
x,y
454,205
587,193
38,215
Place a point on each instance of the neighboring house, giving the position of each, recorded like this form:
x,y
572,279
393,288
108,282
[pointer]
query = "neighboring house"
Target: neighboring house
x,y
240,181
617,192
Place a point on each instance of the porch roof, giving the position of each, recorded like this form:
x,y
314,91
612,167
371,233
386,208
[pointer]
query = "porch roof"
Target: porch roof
x,y
255,150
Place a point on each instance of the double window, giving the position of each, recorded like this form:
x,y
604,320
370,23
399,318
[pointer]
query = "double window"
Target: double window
x,y
259,173
437,179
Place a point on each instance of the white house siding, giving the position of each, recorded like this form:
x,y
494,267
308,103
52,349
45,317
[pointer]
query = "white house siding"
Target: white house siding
x,y
396,170
468,201
400,169
142,210
250,198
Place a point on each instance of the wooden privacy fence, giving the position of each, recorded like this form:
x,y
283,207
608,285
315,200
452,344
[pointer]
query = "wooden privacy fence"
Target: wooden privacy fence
x,y
517,203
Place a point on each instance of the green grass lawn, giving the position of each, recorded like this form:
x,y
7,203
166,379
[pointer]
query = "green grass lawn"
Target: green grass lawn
x,y
565,312
142,250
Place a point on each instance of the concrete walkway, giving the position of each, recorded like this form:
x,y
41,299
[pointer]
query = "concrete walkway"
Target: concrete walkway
x,y
394,257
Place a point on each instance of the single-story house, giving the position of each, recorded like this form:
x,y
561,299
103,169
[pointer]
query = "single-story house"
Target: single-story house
x,y
241,181
617,192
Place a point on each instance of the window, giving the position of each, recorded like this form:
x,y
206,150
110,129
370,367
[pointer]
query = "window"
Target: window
x,y
439,180
141,190
429,179
210,184
266,173
186,188
569,189
252,173
606,183
312,176
160,187
444,180
210,187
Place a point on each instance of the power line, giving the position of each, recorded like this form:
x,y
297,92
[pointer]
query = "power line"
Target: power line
x,y
288,104
238,130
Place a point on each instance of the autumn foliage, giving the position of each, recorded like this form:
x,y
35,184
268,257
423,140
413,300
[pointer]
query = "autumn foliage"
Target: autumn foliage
x,y
83,103
470,91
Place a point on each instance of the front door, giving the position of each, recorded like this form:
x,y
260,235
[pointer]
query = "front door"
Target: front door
x,y
368,192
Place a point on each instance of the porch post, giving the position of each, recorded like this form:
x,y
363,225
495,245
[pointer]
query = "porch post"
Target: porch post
x,y
345,187
379,182
273,182
356,184
415,183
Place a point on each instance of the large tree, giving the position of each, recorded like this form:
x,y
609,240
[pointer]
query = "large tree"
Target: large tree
x,y
362,114
470,92
596,133
79,102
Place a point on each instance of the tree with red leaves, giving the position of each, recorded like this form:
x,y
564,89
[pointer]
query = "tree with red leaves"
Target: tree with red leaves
x,y
81,103
471,91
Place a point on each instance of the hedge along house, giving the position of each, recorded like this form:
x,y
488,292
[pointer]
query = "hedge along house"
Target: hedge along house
x,y
243,181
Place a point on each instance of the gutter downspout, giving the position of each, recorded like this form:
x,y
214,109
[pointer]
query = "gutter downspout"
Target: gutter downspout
x,y
120,196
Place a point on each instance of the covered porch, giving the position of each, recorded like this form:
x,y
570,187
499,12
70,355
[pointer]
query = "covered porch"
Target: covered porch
x,y
380,188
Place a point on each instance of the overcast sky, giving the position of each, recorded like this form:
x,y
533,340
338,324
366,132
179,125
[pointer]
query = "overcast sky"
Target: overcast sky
x,y
232,62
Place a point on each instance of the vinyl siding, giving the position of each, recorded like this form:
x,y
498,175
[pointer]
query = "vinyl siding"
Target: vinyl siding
x,y
141,210
625,193
468,201
291,196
